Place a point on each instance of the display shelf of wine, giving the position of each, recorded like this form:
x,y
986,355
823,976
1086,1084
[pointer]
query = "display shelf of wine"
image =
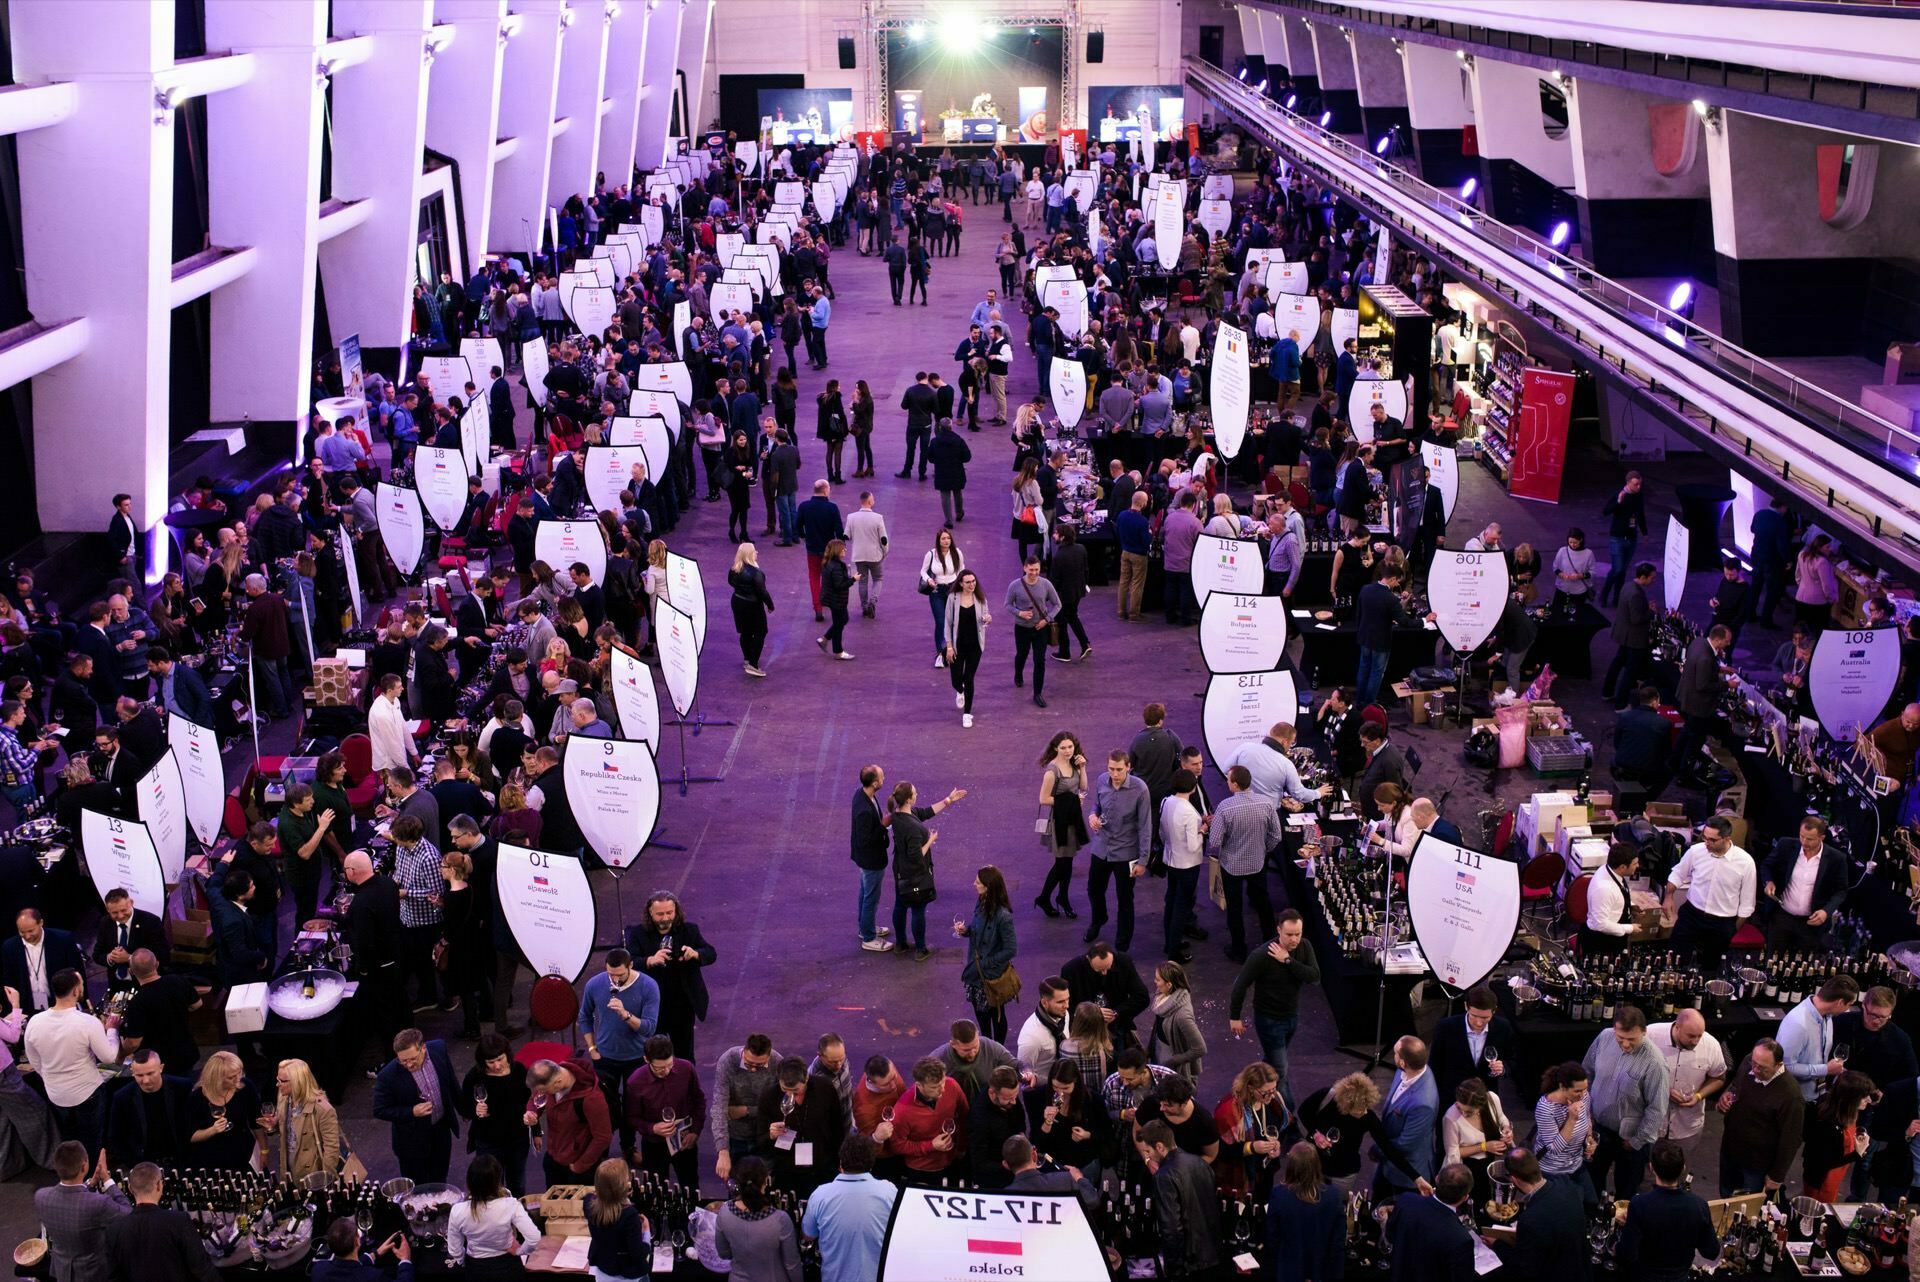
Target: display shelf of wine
x,y
1496,448
265,1216
1661,983
1352,897
1128,1225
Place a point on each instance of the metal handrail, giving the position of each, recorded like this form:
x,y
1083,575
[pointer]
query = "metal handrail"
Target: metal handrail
x,y
1756,373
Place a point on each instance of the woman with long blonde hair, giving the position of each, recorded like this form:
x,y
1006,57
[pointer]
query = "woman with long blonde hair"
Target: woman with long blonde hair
x,y
751,605
224,1115
1089,1041
621,1247
305,1128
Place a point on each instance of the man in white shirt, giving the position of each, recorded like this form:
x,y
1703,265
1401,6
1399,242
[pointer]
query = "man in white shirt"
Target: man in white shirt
x,y
67,1047
1697,1071
1039,1042
1182,833
1609,923
1806,1034
387,727
1710,893
866,548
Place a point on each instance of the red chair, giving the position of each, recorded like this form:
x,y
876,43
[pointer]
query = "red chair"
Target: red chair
x,y
363,786
1537,879
1577,899
234,820
1748,937
551,1006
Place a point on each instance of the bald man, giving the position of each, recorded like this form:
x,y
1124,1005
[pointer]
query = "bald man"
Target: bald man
x,y
1427,818
378,942
1697,1065
1899,741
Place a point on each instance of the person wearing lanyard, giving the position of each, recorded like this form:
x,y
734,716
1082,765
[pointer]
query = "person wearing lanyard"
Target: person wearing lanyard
x,y
1710,892
1609,924
1697,1069
1806,1034
1808,881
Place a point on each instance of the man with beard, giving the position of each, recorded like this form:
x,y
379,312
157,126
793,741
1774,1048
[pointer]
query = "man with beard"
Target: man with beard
x,y
671,950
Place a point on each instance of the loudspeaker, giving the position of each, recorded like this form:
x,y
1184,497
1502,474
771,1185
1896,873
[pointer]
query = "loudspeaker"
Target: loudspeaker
x,y
1096,46
846,53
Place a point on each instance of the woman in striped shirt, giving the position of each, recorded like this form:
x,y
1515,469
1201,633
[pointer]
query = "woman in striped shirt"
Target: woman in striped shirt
x,y
1563,1138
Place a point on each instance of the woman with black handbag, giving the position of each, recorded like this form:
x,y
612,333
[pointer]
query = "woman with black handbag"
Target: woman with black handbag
x,y
988,977
913,887
831,427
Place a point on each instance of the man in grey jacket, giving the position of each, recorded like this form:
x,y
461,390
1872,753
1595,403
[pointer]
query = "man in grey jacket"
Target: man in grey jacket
x,y
866,547
1629,1099
733,1109
970,1058
1245,827
1034,604
1121,826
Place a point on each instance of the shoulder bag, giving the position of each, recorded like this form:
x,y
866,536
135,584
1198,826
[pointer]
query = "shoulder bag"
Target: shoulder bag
x,y
1053,625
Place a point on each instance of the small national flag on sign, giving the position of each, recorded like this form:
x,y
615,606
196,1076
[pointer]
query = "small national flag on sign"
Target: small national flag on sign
x,y
539,881
986,1246
1464,878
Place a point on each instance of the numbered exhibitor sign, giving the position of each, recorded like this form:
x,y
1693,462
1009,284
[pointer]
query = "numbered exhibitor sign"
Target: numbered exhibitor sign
x,y
1067,381
1468,593
1243,633
161,801
1852,676
613,788
1069,298
963,1237
1286,278
593,305
688,592
1216,216
1297,316
1169,220
549,907
679,655
610,471
120,855
634,702
402,527
1346,324
196,750
1465,908
1443,471
1369,392
666,376
1674,567
1241,707
535,365
561,543
647,433
1227,565
1231,389
652,404
440,478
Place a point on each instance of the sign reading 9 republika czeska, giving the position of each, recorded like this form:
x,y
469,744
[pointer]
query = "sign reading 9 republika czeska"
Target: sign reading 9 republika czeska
x,y
963,1237
1242,706
1465,909
1227,565
1468,592
1243,633
613,788
549,907
1852,676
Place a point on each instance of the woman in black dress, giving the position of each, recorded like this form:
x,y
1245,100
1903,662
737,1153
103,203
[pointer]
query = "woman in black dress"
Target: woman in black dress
x,y
460,918
223,1113
751,604
740,466
862,429
786,403
1063,791
433,677
831,427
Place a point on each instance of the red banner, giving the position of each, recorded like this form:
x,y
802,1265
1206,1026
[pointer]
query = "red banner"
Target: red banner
x,y
871,140
1540,435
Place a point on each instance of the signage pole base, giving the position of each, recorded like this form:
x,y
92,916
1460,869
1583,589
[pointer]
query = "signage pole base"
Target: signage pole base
x,y
685,778
700,721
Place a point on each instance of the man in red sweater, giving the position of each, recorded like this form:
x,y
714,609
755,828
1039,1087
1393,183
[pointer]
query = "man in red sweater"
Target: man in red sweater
x,y
578,1128
929,1128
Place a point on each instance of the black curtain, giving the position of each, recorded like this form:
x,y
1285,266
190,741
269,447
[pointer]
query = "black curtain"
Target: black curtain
x,y
740,100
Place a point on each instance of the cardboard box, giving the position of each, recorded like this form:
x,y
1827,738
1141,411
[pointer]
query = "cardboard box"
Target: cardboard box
x,y
1417,700
246,1009
332,683
195,930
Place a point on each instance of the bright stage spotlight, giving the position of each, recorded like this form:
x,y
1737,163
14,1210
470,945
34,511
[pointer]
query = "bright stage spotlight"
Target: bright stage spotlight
x,y
1380,148
1243,72
1468,187
1262,86
960,31
1682,294
1291,99
916,34
1561,230
1326,118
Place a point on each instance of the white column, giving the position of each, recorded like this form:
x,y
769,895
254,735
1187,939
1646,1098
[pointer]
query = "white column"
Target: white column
x,y
583,67
379,128
531,79
1296,41
263,191
1377,71
656,100
463,106
1436,87
1509,124
100,419
1250,30
695,26
1332,56
626,55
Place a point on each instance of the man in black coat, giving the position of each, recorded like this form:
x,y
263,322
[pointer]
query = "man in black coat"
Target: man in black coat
x,y
72,703
1699,696
141,732
148,1121
500,409
1430,1244
153,1243
418,1094
1807,880
39,952
1110,981
869,852
1385,764
1479,1043
122,931
1338,722
103,683
1632,632
1355,491
672,951
1550,1236
379,943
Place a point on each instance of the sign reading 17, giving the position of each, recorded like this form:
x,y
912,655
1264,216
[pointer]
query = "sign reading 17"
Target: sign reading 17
x,y
948,1206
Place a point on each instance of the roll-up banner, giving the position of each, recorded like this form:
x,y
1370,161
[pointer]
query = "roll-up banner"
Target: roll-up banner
x,y
688,592
650,435
1743,509
1242,633
1241,707
1852,676
613,788
609,471
1443,470
634,702
1169,220
446,375
1674,571
440,477
1465,908
534,366
679,655
561,543
1368,392
475,434
1227,565
1216,216
1468,593
549,907
1067,383
196,751
666,376
120,856
402,525
350,561
160,800
1231,389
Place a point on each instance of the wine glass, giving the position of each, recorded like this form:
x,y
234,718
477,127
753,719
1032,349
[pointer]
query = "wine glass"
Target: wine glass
x,y
219,1112
947,1127
1841,1050
363,1216
886,1115
668,1116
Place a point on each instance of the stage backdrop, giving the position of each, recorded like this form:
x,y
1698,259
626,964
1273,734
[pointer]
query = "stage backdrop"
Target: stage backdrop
x,y
1014,73
1113,111
802,115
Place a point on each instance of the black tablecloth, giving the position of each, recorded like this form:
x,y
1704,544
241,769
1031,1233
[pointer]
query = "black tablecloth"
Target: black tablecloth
x,y
1352,986
1331,657
1567,644
1548,1037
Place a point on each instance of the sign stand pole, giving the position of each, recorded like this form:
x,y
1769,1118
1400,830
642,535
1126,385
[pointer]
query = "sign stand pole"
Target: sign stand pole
x,y
253,709
619,909
686,778
1375,1057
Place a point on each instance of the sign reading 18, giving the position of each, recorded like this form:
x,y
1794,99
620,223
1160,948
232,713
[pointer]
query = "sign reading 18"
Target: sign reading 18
x,y
948,1206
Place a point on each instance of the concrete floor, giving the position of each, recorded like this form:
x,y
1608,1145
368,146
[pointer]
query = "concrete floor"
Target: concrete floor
x,y
767,875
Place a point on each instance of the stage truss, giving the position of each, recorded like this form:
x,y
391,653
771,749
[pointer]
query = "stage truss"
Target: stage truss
x,y
884,16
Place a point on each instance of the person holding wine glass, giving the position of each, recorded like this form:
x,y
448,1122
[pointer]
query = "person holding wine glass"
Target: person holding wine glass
x,y
490,1234
302,1124
1065,1121
1475,1131
666,1109
1337,1118
223,1113
493,1098
1251,1120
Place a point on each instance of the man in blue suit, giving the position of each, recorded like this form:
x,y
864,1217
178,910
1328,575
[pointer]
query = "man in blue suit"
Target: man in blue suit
x,y
1772,550
179,689
1430,1244
416,1093
345,1263
30,960
1409,1115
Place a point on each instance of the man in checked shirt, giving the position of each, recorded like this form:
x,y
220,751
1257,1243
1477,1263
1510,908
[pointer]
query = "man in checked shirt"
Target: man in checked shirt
x,y
416,870
19,762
